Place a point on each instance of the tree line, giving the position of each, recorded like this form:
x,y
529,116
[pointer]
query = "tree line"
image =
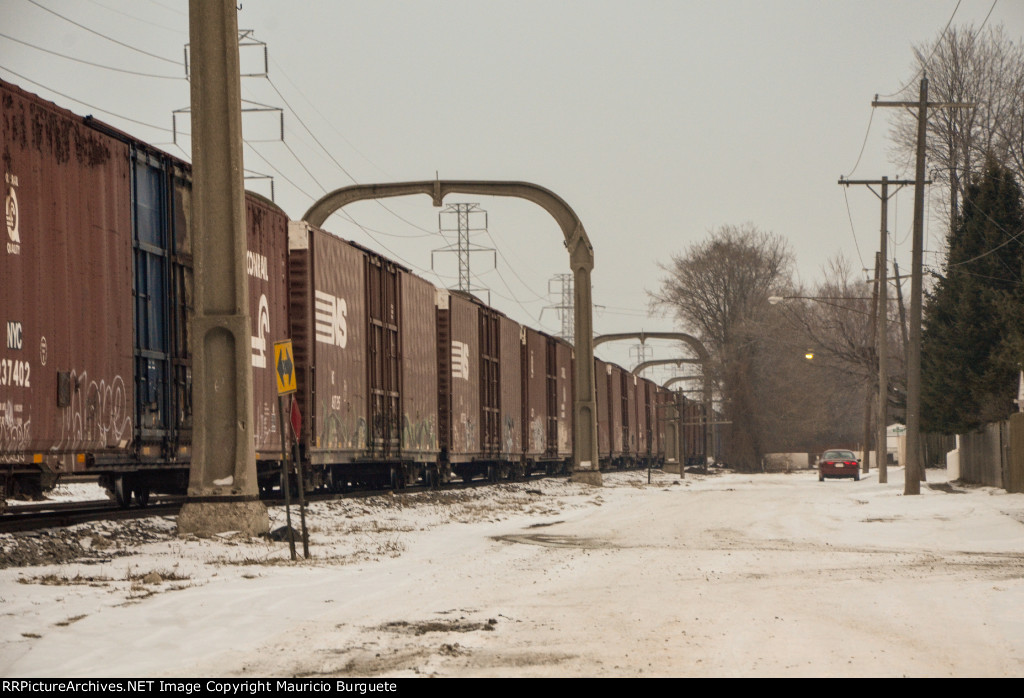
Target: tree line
x,y
794,368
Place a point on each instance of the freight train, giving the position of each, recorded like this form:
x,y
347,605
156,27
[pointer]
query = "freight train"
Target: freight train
x,y
398,381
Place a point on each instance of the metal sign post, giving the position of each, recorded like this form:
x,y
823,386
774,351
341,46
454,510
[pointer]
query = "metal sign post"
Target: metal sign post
x,y
284,368
296,421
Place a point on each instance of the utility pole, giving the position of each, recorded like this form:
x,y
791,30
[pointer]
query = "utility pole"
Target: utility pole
x,y
915,467
902,307
882,341
878,280
222,492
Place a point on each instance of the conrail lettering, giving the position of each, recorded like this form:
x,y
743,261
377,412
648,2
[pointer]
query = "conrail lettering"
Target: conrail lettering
x,y
256,264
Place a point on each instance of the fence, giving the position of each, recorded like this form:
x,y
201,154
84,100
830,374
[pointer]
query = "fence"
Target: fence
x,y
994,455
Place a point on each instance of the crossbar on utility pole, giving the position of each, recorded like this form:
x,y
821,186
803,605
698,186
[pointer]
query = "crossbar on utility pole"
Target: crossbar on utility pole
x,y
882,336
914,467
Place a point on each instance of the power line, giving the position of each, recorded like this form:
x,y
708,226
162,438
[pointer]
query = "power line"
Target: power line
x,y
338,164
96,65
852,231
862,145
934,48
104,36
86,104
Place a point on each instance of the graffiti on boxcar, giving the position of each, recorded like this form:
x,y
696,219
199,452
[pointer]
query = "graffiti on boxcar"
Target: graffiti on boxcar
x,y
468,431
508,433
14,432
97,416
419,434
266,425
341,431
537,433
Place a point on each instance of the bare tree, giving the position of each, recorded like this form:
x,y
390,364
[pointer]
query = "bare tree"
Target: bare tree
x,y
833,324
718,289
967,65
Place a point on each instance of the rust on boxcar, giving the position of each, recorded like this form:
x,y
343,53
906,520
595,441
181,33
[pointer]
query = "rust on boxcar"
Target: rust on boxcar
x,y
66,364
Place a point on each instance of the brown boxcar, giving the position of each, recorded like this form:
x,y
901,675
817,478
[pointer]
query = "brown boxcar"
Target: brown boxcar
x,y
535,397
616,412
267,271
480,388
602,376
458,352
328,330
561,357
643,433
363,333
66,384
510,359
630,417
419,374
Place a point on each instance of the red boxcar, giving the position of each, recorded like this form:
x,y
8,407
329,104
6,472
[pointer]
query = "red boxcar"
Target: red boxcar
x,y
66,378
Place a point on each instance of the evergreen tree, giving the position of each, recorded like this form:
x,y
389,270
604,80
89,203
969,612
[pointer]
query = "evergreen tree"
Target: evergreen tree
x,y
973,334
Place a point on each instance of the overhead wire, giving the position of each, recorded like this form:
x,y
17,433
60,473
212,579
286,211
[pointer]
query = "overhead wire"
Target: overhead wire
x,y
934,48
853,232
86,104
96,65
104,36
370,232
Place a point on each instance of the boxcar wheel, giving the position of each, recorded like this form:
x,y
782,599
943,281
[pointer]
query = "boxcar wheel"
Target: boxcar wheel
x,y
121,495
141,493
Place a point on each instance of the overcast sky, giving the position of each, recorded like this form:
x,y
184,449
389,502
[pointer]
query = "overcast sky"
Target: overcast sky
x,y
655,121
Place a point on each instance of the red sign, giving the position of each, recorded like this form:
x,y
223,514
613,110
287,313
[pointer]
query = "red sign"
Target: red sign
x,y
296,418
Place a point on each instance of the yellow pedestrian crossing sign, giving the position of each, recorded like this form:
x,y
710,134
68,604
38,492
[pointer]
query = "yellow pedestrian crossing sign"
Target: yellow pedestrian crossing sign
x,y
284,367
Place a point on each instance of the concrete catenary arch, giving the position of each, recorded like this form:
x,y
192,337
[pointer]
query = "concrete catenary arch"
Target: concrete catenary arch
x,y
678,379
581,262
703,358
641,367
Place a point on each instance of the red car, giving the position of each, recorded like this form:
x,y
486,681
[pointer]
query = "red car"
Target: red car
x,y
838,464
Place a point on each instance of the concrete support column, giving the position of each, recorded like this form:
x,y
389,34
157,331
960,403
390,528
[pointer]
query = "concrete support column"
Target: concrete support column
x,y
222,483
586,463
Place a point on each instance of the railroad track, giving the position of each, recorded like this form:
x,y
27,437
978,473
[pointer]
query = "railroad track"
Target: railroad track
x,y
31,517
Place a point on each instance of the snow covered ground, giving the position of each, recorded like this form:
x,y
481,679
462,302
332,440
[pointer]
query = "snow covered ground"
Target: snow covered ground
x,y
717,575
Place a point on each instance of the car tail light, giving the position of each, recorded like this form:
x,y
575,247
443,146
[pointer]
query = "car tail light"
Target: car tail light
x,y
849,462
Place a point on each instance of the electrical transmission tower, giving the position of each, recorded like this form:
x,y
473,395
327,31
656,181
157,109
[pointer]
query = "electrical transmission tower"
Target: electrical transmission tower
x,y
564,288
640,352
467,219
256,66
